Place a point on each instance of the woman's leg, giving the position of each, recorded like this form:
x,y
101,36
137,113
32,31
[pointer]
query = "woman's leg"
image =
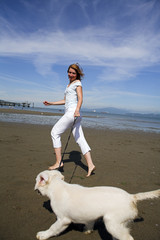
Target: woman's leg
x,y
80,139
91,166
60,127
58,159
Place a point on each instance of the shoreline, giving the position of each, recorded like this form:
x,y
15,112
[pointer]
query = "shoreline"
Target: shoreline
x,y
22,111
49,122
124,159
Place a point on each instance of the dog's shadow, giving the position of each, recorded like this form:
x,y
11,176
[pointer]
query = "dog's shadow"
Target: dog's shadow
x,y
99,225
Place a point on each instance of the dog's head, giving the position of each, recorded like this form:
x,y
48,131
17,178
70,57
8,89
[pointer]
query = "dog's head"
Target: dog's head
x,y
44,179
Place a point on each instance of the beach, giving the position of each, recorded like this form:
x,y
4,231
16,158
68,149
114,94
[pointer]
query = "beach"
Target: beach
x,y
126,159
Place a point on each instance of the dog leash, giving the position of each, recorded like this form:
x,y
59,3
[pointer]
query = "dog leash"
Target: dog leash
x,y
67,143
73,173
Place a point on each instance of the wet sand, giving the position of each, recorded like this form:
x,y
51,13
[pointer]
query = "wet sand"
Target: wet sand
x,y
129,160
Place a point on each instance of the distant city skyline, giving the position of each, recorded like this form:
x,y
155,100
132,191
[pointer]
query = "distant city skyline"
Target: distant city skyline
x,y
117,43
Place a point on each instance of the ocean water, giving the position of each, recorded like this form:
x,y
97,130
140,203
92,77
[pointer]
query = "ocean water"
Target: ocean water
x,y
96,120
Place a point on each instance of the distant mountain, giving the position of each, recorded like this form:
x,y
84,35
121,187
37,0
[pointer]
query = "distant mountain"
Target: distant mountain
x,y
108,110
112,110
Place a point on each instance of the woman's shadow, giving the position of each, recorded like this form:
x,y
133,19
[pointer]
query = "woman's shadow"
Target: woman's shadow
x,y
75,157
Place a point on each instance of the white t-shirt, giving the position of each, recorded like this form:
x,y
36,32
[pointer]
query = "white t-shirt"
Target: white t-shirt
x,y
71,95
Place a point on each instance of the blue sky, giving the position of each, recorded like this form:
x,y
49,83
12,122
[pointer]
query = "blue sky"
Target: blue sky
x,y
117,43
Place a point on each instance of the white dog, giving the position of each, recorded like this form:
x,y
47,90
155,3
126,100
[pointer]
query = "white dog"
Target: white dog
x,y
77,204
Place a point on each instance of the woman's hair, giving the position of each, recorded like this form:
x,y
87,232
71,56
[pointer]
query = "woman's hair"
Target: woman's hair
x,y
78,70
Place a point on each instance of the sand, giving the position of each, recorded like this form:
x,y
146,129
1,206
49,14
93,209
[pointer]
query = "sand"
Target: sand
x,y
129,160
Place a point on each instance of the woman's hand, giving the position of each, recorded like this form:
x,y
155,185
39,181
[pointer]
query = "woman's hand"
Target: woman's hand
x,y
46,103
76,113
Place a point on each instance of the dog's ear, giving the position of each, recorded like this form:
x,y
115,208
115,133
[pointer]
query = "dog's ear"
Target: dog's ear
x,y
43,179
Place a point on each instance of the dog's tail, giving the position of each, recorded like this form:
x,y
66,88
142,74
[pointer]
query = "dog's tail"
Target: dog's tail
x,y
146,195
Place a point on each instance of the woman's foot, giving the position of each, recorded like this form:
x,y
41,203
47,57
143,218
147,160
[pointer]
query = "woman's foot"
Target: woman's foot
x,y
90,171
55,166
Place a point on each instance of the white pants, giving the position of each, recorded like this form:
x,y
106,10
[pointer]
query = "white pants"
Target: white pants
x,y
65,122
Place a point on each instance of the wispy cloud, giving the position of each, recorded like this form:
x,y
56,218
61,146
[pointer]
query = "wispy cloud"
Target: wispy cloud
x,y
122,39
29,90
49,48
122,58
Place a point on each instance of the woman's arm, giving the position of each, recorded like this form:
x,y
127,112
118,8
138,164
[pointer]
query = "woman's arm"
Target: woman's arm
x,y
61,102
80,100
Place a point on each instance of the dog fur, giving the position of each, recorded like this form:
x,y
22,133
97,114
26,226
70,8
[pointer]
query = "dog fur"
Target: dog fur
x,y
77,204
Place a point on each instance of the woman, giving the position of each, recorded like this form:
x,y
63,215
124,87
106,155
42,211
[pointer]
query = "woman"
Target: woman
x,y
73,101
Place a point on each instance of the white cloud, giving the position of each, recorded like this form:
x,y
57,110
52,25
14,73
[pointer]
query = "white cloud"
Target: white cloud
x,y
121,60
105,44
122,49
